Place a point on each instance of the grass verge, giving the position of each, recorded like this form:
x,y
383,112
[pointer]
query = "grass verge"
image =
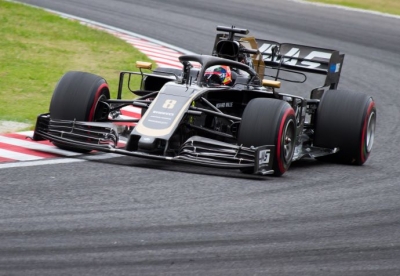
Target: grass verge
x,y
38,47
385,6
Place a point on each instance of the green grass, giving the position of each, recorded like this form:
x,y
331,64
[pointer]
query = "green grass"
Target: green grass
x,y
386,6
37,48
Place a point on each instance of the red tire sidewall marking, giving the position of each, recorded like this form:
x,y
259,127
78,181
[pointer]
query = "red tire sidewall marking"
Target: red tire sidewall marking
x,y
96,98
281,166
363,150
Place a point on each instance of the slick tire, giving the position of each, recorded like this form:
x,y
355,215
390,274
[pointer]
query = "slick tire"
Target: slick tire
x,y
270,122
76,97
345,120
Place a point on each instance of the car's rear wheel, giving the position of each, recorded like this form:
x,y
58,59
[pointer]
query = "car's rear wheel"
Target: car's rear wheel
x,y
345,120
76,97
270,122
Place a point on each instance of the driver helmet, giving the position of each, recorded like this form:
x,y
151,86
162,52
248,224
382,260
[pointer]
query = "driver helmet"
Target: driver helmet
x,y
218,75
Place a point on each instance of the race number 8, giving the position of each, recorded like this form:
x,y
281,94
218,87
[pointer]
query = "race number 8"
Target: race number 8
x,y
169,104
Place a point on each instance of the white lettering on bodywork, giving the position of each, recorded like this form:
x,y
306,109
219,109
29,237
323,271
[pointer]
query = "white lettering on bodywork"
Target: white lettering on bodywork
x,y
163,113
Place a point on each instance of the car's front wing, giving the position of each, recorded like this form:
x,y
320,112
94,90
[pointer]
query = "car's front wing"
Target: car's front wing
x,y
103,136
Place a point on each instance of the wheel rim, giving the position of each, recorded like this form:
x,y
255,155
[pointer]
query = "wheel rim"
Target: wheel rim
x,y
288,141
370,135
101,109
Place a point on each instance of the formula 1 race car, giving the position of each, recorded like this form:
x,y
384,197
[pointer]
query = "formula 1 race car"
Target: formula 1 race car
x,y
221,110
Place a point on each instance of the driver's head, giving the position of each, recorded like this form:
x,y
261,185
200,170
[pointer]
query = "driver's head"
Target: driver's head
x,y
218,75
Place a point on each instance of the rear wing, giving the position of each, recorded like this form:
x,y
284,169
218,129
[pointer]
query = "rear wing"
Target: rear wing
x,y
302,58
286,56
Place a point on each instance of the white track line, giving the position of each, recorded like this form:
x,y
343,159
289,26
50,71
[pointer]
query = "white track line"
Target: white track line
x,y
28,144
18,156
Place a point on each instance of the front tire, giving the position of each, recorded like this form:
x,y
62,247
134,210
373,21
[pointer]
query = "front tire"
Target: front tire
x,y
270,122
346,120
77,97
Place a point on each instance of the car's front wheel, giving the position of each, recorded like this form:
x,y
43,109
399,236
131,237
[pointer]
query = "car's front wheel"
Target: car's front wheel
x,y
270,122
77,96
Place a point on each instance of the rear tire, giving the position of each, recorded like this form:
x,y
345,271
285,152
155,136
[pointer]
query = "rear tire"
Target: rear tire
x,y
270,122
76,97
345,120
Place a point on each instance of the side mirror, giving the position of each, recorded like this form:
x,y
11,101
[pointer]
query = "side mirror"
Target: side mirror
x,y
143,65
271,83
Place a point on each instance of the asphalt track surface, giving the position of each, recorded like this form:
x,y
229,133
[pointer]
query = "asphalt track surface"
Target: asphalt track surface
x,y
126,216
